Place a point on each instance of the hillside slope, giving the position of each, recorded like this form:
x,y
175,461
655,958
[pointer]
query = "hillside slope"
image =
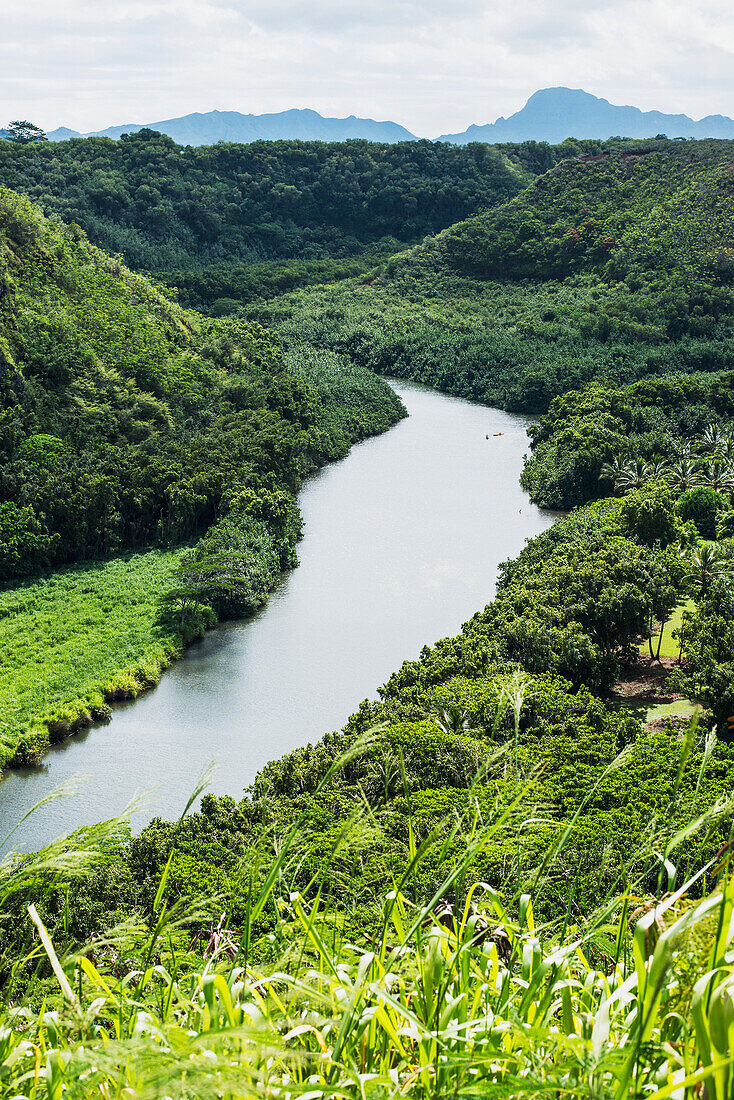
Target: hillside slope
x,y
615,265
660,211
123,419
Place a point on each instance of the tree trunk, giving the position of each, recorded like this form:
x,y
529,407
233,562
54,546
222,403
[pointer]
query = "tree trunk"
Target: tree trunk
x,y
660,640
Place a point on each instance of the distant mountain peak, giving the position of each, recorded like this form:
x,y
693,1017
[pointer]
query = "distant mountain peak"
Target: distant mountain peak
x,y
550,114
554,114
298,123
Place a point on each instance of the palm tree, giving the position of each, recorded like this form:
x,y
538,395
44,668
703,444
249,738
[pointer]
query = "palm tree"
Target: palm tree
x,y
657,469
712,438
718,475
633,475
683,474
687,449
705,563
612,471
725,450
453,719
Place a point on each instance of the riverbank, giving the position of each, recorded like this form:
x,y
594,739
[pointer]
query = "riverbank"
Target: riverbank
x,y
87,636
78,640
402,542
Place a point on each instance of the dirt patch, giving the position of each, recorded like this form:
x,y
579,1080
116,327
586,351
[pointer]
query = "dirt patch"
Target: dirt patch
x,y
644,681
642,689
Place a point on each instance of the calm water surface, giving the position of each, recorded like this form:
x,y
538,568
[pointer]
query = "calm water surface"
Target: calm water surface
x,y
402,543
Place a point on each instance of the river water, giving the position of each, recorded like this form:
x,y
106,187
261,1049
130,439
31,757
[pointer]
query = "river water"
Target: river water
x,y
401,545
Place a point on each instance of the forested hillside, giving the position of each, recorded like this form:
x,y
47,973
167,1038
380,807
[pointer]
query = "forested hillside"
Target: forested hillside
x,y
615,266
127,423
125,419
164,206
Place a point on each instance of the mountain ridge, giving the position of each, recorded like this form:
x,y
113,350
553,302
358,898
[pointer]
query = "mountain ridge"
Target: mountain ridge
x,y
554,114
550,115
206,128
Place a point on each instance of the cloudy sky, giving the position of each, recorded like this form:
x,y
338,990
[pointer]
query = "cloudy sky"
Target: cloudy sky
x,y
433,65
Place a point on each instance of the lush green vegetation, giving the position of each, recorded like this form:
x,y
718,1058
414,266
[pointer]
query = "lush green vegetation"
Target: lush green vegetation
x,y
481,778
221,289
674,433
124,419
75,641
230,223
126,422
467,993
360,923
390,939
613,268
166,207
659,422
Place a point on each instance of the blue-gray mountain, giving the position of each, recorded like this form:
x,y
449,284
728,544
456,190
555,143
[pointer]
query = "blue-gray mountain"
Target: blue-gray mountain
x,y
555,114
303,125
551,115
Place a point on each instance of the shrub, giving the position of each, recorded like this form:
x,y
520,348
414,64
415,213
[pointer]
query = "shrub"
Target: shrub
x,y
701,505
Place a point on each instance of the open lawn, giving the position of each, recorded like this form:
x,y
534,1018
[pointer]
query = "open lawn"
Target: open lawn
x,y
74,641
670,646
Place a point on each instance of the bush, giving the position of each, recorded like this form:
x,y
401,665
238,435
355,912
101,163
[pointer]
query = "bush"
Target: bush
x,y
649,515
702,506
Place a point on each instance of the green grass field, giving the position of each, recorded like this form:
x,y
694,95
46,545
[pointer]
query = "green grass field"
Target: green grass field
x,y
74,641
670,646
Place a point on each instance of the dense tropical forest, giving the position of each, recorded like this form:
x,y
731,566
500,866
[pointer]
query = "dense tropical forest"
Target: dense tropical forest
x,y
223,222
165,206
129,426
510,872
615,266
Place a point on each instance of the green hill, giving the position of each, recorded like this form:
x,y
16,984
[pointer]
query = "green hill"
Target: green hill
x,y
617,266
655,217
125,420
128,424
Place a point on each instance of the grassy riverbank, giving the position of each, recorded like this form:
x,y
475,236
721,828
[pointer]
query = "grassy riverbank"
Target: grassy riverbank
x,y
73,642
87,635
129,427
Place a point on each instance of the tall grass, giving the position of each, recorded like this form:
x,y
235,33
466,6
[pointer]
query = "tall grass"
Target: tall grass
x,y
73,641
466,994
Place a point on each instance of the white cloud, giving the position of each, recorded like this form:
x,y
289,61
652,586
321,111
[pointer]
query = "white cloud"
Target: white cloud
x,y
433,65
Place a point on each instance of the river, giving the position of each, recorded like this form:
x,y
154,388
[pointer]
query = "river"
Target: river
x,y
402,540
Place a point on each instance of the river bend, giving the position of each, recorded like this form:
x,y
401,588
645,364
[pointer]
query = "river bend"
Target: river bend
x,y
402,540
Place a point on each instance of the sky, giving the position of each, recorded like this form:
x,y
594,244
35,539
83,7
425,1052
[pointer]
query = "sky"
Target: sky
x,y
433,65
